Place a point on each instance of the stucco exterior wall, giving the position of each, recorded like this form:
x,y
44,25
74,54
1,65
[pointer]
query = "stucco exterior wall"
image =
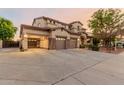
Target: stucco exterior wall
x,y
1,43
60,32
74,36
40,23
36,32
44,43
75,25
47,23
51,25
24,43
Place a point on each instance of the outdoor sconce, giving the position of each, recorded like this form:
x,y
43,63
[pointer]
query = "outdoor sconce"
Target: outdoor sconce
x,y
78,39
25,36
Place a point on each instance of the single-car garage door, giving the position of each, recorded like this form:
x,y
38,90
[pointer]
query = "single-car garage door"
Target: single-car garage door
x,y
73,42
60,43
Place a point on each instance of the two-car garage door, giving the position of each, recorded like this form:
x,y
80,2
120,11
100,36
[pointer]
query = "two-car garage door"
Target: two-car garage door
x,y
61,43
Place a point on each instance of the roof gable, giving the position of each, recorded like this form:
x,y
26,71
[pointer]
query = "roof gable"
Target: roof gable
x,y
76,22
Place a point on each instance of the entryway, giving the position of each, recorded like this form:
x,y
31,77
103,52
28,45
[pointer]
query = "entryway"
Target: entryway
x,y
73,42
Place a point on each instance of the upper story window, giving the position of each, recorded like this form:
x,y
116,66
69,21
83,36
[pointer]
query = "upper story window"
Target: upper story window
x,y
70,26
78,27
53,22
48,21
66,27
56,23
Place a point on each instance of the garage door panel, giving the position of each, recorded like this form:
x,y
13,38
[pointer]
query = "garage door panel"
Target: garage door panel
x,y
60,43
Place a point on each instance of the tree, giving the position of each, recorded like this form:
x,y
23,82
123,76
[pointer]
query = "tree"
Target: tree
x,y
7,29
106,24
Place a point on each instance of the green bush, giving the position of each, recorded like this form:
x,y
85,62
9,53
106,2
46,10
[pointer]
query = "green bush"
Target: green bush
x,y
95,48
95,45
96,41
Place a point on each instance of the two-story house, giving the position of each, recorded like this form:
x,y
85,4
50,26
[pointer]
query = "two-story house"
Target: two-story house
x,y
49,33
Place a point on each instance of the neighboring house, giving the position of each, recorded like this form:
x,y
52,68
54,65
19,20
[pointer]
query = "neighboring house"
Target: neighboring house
x,y
49,33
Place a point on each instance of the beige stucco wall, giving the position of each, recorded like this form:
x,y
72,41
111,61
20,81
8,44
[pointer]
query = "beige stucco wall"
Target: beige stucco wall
x,y
75,25
40,23
44,43
37,32
46,23
51,25
0,43
24,43
58,32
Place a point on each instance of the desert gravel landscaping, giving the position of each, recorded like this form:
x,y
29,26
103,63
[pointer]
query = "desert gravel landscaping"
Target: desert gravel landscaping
x,y
61,67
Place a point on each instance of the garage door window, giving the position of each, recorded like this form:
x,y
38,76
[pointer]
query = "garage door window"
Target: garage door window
x,y
59,38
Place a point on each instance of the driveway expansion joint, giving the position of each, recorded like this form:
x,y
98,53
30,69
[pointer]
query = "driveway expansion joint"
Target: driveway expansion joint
x,y
72,74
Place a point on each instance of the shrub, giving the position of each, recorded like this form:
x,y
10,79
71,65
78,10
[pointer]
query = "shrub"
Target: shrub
x,y
95,48
95,45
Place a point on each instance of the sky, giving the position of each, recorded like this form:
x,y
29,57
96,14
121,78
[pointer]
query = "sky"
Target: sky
x,y
26,15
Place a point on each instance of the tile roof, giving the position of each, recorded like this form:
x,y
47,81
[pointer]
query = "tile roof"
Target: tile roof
x,y
50,19
76,22
57,20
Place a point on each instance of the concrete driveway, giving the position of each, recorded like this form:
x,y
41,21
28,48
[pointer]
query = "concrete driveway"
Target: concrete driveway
x,y
72,66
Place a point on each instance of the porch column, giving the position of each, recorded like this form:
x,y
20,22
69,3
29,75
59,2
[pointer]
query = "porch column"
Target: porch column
x,y
78,42
25,44
1,44
52,43
67,43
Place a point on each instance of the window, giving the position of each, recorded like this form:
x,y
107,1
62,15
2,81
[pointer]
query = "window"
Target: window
x,y
78,27
60,38
53,22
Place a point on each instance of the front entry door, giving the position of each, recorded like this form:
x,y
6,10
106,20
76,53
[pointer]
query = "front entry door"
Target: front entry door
x,y
73,43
